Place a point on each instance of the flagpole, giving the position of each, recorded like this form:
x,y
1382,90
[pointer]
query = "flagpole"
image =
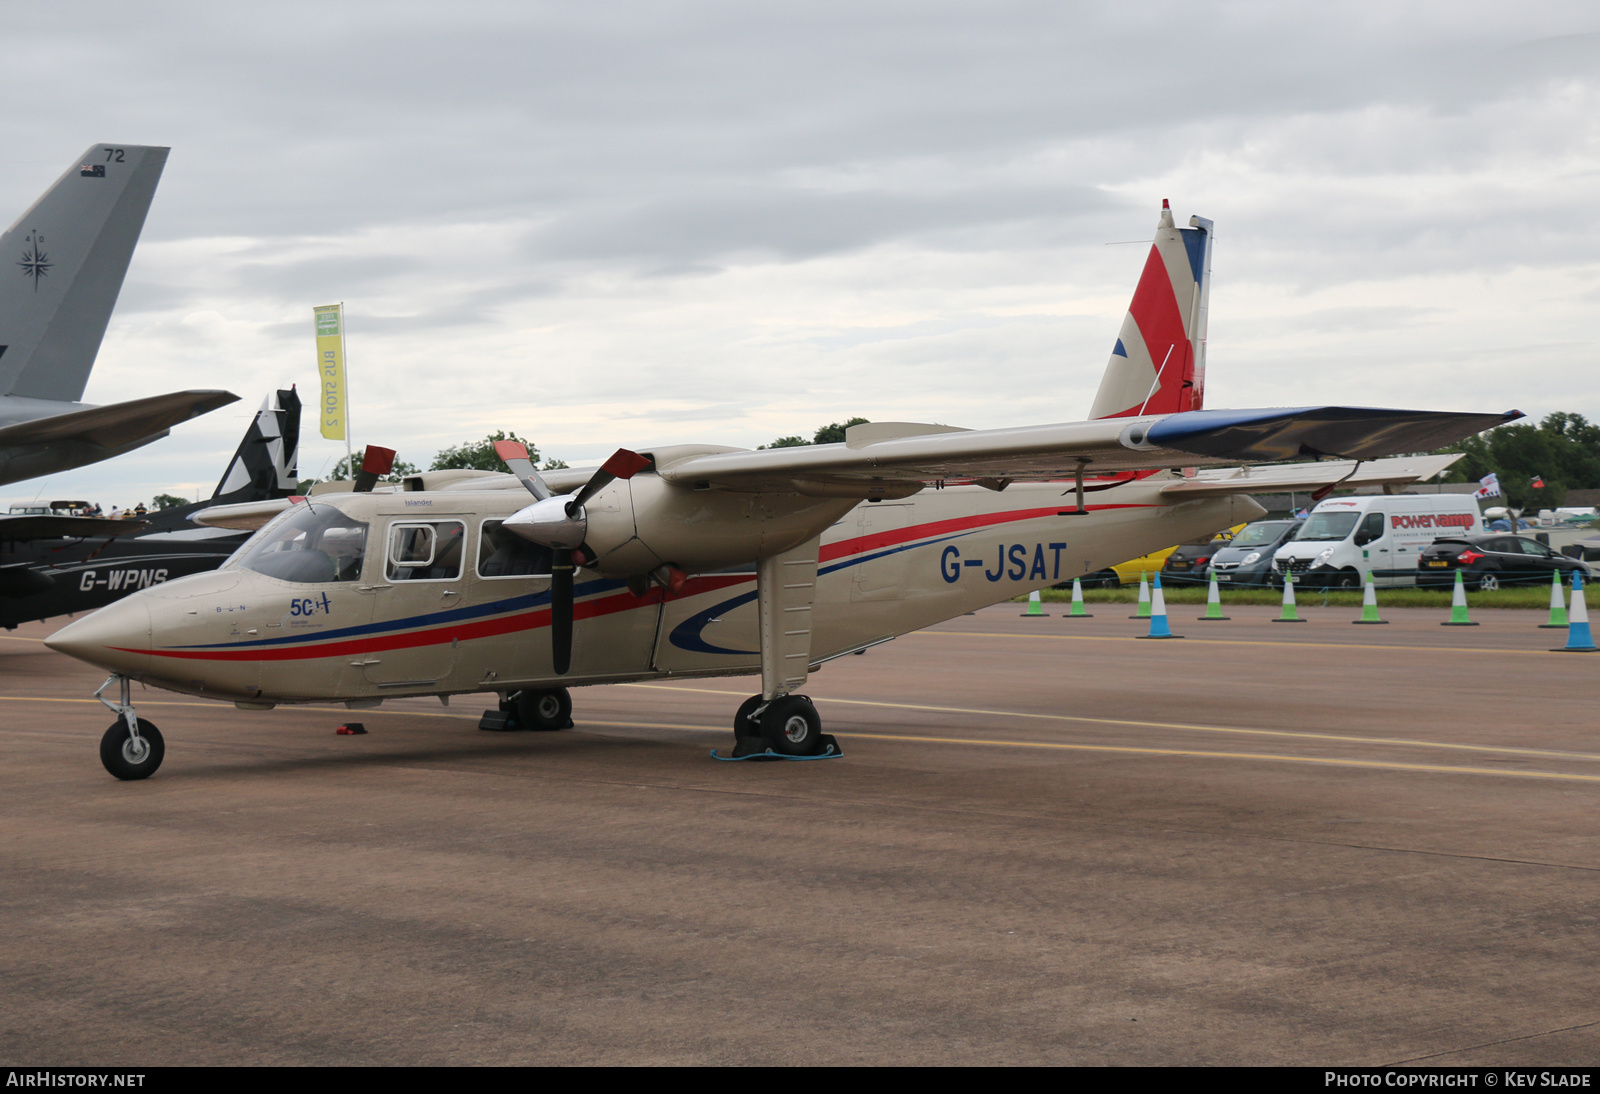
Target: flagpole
x,y
344,357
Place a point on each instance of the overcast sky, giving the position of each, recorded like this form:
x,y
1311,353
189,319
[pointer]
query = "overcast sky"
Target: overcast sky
x,y
628,223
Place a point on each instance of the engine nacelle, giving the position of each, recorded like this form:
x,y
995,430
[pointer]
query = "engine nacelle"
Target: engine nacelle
x,y
636,525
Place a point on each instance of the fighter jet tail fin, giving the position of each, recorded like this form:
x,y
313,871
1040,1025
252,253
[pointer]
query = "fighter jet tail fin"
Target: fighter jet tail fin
x,y
266,464
1159,363
61,268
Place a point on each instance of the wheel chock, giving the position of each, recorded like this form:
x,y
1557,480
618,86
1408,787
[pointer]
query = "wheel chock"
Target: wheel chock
x,y
353,729
755,748
497,721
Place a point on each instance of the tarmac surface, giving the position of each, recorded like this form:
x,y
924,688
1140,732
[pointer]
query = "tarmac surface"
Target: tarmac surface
x,y
1047,842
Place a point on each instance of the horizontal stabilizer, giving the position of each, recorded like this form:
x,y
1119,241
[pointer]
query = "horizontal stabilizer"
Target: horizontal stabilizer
x,y
1354,433
246,516
120,424
1305,477
20,529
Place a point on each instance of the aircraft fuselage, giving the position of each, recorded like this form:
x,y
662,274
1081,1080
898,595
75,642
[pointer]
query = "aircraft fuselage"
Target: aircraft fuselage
x,y
885,568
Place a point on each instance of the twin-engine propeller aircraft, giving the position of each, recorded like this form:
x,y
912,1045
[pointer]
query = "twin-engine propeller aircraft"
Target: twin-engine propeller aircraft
x,y
702,560
66,258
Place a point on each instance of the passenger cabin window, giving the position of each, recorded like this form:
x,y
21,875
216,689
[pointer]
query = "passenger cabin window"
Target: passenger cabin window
x,y
426,551
309,544
505,554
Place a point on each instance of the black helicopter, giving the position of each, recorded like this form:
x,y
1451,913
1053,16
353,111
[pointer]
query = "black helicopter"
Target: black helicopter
x,y
60,561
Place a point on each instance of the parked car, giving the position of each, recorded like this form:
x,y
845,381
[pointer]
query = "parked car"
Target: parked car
x,y
1247,558
1493,561
1128,573
1377,533
1190,563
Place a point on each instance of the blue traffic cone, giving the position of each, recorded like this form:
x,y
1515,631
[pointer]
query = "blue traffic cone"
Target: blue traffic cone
x,y
1158,614
1579,640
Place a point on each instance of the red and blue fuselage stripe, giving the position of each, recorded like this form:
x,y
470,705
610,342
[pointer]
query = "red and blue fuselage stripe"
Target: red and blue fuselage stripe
x,y
605,597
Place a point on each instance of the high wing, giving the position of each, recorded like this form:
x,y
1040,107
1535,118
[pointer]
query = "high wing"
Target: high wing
x,y
877,463
20,529
120,424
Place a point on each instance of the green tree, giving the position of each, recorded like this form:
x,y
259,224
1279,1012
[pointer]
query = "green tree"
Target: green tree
x,y
168,501
481,456
790,441
1563,451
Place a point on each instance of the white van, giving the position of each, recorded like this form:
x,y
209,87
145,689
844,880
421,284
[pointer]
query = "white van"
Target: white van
x,y
1384,533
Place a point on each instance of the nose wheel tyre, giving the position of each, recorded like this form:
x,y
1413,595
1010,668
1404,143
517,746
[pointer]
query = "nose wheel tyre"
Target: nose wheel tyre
x,y
545,710
792,727
129,757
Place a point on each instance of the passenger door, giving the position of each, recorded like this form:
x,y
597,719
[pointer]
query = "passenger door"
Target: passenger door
x,y
882,572
420,578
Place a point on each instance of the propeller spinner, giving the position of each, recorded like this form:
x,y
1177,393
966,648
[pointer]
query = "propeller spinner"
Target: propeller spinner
x,y
560,523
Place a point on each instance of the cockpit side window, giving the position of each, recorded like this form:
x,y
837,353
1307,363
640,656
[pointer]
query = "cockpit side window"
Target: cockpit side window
x,y
426,551
504,554
308,545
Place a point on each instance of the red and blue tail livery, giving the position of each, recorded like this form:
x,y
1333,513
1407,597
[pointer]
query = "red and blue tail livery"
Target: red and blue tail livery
x,y
1159,363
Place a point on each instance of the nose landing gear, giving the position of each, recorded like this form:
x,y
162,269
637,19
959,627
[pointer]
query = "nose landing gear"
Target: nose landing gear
x,y
132,748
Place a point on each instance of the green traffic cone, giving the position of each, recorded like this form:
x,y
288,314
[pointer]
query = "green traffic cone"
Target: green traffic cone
x,y
1289,614
1213,603
1369,603
1558,608
1035,608
1144,598
1078,611
1458,606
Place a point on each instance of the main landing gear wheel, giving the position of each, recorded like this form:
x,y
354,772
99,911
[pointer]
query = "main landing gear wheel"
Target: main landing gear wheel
x,y
545,710
792,727
129,757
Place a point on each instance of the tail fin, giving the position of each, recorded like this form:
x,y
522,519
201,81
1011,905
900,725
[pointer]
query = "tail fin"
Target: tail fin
x,y
1159,363
267,463
66,258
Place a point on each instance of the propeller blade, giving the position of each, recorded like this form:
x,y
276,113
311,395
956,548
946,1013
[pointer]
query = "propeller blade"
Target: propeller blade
x,y
515,456
375,463
622,465
561,610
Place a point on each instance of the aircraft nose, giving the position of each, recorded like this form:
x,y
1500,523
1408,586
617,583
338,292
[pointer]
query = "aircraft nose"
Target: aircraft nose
x,y
115,638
